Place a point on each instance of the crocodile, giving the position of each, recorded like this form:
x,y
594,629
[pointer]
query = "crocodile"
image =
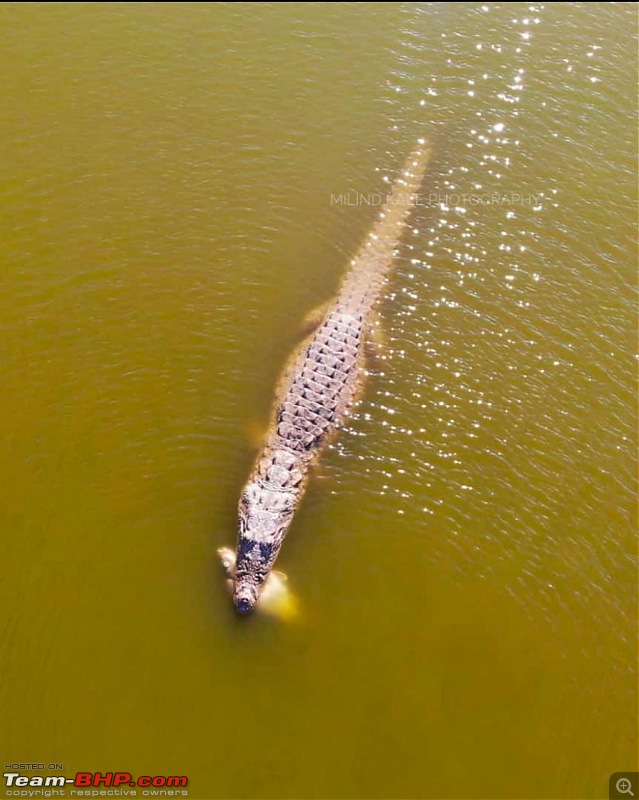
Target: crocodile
x,y
318,386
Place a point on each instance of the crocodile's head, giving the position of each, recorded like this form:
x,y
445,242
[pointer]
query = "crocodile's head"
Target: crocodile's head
x,y
263,520
275,598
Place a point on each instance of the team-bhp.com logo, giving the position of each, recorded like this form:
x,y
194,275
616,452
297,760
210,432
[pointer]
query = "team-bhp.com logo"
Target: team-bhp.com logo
x,y
91,779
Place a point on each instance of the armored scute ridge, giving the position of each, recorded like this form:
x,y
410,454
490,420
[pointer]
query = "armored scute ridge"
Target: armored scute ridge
x,y
318,386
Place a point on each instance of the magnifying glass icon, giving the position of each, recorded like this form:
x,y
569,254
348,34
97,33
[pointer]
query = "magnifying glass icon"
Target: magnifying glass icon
x,y
624,786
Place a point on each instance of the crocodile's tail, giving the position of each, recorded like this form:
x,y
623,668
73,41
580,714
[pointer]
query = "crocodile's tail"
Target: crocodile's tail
x,y
374,258
402,198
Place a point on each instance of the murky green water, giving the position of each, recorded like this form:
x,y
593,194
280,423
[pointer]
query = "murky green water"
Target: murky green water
x,y
466,561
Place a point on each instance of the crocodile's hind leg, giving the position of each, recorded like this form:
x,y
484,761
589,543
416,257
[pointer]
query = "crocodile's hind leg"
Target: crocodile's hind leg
x,y
375,345
314,317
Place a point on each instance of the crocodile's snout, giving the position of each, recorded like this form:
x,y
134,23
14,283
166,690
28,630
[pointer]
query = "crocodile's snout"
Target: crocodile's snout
x,y
245,599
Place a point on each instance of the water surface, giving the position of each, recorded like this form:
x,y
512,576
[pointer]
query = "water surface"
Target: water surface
x,y
465,561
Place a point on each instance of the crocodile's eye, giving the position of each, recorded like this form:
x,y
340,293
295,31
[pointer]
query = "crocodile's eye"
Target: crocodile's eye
x,y
266,550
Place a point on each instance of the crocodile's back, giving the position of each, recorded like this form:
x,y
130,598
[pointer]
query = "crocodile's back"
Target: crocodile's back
x,y
320,384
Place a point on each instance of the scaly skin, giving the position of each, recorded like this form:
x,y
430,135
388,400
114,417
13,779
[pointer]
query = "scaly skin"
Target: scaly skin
x,y
318,386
